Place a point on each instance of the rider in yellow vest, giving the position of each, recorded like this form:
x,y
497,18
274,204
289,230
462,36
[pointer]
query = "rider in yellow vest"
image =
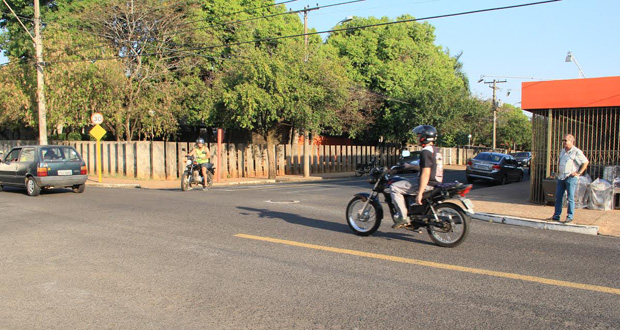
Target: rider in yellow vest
x,y
202,155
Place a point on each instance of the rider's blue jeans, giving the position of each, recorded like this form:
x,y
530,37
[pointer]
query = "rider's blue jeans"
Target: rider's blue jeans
x,y
568,185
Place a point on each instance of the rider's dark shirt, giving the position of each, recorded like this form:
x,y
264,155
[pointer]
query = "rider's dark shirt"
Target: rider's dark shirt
x,y
431,157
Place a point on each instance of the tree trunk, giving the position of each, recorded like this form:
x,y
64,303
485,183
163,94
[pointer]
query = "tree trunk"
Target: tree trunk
x,y
271,154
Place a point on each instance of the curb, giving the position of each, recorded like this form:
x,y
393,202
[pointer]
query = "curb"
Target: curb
x,y
113,185
239,183
538,224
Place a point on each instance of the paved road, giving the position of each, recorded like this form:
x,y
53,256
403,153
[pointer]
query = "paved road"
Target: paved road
x,y
229,259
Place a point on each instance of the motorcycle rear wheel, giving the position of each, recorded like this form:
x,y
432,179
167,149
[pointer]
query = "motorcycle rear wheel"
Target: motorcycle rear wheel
x,y
362,222
185,181
454,230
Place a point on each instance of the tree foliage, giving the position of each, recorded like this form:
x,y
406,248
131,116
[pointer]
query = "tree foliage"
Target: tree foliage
x,y
401,63
151,66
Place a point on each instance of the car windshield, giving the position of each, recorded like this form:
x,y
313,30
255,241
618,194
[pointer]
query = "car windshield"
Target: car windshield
x,y
50,154
522,154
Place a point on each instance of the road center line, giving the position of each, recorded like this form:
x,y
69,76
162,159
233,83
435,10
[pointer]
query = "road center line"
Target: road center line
x,y
432,264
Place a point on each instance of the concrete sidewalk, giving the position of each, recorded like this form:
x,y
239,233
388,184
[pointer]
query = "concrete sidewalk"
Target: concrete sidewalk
x,y
508,204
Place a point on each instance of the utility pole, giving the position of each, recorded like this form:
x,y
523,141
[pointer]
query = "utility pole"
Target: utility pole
x,y
494,87
38,48
306,160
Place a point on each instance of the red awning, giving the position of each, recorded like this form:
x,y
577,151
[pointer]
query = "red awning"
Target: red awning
x,y
574,93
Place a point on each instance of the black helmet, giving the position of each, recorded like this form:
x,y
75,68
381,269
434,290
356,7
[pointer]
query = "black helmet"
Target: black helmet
x,y
200,141
425,133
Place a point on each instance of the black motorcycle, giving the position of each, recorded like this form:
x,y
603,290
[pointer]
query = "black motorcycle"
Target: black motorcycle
x,y
444,211
365,168
192,176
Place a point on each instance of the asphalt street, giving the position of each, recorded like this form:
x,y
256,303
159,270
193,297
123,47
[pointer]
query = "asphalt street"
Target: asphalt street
x,y
282,257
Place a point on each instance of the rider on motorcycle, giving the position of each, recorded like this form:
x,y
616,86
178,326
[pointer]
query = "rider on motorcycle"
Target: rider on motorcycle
x,y
202,155
431,174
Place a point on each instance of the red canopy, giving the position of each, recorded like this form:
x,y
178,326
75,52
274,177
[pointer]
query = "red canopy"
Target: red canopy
x,y
574,93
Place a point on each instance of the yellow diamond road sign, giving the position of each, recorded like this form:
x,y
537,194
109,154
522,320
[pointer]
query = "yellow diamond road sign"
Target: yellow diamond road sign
x,y
97,132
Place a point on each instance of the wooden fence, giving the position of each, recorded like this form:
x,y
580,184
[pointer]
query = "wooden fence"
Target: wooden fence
x,y
165,160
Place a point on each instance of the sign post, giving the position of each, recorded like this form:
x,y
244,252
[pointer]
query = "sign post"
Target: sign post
x,y
97,132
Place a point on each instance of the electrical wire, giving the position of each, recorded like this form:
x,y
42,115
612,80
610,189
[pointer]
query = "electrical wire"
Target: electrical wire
x,y
264,17
351,28
239,12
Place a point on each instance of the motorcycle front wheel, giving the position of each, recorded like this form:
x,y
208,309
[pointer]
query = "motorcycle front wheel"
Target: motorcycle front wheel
x,y
453,227
363,221
185,181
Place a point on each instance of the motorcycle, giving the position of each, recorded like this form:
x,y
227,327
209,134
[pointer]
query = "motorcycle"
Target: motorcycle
x,y
444,212
362,169
192,176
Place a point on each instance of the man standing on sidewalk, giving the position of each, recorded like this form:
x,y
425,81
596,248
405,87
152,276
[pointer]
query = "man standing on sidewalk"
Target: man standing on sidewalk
x,y
572,164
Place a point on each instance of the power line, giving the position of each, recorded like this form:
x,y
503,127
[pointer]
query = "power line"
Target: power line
x,y
380,24
22,17
351,28
100,45
241,11
263,17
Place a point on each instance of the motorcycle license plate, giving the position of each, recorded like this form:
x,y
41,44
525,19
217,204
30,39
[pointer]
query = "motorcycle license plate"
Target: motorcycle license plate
x,y
468,204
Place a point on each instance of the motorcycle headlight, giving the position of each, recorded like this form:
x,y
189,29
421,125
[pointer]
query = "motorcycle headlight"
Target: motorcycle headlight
x,y
188,162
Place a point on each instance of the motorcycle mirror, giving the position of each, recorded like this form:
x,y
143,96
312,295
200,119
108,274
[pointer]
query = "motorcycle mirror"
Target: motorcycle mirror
x,y
406,153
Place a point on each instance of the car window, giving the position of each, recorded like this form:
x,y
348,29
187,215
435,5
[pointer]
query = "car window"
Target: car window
x,y
71,155
496,158
27,155
13,156
482,156
59,153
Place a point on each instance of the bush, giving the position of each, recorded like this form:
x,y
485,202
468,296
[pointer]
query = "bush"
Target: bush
x,y
74,136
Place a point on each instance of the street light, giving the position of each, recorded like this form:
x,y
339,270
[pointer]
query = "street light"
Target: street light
x,y
469,140
346,19
571,58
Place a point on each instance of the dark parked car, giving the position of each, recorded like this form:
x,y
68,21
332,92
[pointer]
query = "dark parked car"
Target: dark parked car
x,y
494,167
409,163
523,158
42,167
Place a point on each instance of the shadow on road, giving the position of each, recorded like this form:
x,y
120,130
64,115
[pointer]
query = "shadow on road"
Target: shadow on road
x,y
296,219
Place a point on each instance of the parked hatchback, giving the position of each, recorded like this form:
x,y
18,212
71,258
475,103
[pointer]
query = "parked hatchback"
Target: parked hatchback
x,y
43,167
496,167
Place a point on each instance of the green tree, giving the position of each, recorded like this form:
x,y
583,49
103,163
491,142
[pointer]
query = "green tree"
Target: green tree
x,y
417,79
514,129
15,101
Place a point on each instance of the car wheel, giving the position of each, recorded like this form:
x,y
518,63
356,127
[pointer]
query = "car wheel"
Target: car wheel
x,y
520,177
79,188
32,188
470,179
504,179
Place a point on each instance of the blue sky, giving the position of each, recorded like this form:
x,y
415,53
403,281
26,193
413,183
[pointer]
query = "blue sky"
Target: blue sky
x,y
524,42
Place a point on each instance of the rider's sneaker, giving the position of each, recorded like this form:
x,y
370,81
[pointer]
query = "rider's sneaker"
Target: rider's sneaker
x,y
204,188
401,222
